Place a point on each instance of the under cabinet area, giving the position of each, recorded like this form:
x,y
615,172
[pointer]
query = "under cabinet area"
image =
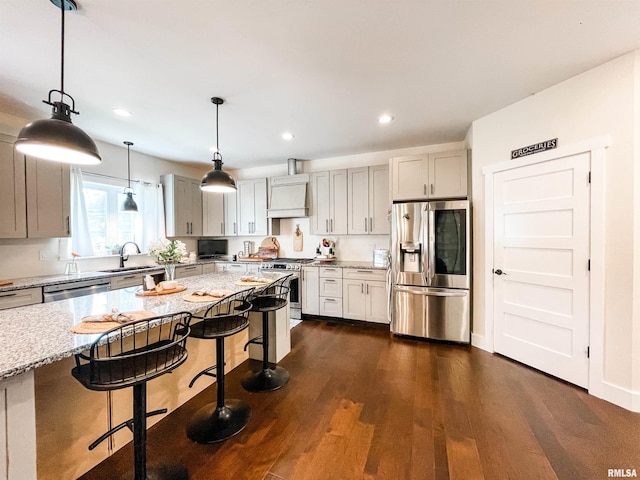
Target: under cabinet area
x,y
364,295
429,175
183,206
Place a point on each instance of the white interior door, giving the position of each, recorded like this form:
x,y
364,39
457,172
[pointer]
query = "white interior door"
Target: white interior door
x,y
541,274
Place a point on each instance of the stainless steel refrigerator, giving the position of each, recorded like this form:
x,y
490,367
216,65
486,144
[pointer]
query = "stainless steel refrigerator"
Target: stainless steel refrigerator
x,y
431,270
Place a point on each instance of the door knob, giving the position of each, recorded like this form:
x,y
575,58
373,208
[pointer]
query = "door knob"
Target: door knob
x,y
499,272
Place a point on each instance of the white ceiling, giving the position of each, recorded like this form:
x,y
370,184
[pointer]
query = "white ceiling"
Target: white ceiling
x,y
324,69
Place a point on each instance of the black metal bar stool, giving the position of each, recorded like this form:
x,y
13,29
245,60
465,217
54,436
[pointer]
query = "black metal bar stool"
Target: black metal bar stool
x,y
272,298
218,421
131,355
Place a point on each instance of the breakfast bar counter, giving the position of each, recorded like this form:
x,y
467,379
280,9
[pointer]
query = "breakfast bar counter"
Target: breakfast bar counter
x,y
45,406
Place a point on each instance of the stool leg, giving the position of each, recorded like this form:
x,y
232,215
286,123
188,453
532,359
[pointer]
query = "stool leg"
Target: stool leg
x,y
140,430
267,379
219,421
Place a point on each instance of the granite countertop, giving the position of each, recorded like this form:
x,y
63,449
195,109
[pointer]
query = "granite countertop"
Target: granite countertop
x,y
39,334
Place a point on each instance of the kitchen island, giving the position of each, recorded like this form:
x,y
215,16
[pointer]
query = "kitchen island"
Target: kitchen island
x,y
50,417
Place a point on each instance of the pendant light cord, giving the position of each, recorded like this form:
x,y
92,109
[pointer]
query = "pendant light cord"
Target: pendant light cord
x,y
128,168
217,143
62,54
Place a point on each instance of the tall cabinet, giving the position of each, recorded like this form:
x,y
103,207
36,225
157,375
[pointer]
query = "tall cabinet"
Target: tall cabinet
x,y
183,206
48,199
213,224
368,200
252,207
328,201
230,214
13,219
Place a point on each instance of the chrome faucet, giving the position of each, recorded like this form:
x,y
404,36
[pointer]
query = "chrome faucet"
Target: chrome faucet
x,y
124,258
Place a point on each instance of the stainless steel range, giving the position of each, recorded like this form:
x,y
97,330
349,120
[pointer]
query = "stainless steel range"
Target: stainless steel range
x,y
292,265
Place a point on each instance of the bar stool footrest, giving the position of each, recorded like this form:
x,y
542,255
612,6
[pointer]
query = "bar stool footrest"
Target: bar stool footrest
x,y
266,380
126,423
257,340
207,372
213,424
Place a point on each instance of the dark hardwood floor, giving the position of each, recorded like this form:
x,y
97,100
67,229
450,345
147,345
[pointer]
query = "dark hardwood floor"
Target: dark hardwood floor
x,y
363,404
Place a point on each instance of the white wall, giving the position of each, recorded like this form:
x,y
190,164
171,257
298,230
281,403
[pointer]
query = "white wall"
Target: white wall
x,y
598,102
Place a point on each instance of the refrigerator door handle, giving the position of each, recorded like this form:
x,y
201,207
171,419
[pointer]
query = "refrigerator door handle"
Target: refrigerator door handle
x,y
432,292
432,247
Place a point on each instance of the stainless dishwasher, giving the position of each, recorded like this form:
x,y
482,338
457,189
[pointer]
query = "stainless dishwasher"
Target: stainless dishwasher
x,y
63,291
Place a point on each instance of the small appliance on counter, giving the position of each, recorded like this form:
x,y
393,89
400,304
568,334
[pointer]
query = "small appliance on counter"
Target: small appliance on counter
x,y
326,251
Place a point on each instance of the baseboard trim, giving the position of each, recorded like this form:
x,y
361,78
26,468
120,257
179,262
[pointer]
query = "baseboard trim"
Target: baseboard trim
x,y
618,395
479,341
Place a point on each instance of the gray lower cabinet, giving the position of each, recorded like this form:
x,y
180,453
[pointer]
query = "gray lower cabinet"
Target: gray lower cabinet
x,y
183,271
129,280
20,298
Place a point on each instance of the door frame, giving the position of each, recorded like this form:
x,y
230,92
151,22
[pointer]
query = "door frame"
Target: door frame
x,y
596,148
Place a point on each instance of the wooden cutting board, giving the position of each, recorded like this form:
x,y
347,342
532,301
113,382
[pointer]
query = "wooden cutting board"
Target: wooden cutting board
x,y
4,283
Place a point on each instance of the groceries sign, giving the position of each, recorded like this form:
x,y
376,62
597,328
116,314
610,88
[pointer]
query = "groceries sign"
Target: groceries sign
x,y
535,148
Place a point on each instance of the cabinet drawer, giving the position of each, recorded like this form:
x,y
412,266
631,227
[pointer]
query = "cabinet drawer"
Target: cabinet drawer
x,y
188,271
20,298
124,281
331,287
330,272
364,274
331,307
233,267
208,268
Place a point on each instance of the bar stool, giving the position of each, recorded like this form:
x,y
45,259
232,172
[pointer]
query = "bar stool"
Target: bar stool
x,y
218,421
272,298
131,355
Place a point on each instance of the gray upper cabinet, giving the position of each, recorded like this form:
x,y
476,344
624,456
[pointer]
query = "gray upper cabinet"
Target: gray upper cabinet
x,y
328,202
428,176
368,200
13,209
252,207
213,214
48,198
183,206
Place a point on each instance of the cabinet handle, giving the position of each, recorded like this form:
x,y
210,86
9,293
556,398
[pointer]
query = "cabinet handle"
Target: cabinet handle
x,y
8,295
370,224
365,224
331,224
326,226
235,228
68,225
367,289
128,277
424,188
328,280
432,189
329,300
362,288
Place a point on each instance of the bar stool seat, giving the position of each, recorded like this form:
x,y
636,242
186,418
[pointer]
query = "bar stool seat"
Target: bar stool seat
x,y
218,421
270,377
131,355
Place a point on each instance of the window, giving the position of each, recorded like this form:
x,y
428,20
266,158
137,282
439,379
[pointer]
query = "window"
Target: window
x,y
108,226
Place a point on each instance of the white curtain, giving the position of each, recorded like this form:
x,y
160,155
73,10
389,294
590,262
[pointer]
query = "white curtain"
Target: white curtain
x,y
80,235
151,203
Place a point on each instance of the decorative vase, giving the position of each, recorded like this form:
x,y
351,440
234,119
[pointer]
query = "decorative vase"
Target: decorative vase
x,y
169,271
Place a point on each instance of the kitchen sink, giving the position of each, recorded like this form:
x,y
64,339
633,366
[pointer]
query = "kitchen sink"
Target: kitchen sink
x,y
130,269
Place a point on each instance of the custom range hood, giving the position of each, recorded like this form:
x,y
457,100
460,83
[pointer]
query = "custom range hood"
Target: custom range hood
x,y
288,195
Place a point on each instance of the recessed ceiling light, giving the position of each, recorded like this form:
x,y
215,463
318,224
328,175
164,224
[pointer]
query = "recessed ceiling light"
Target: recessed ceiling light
x,y
287,136
386,118
121,112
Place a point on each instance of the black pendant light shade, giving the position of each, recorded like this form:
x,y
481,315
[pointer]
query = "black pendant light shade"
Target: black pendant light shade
x,y
58,139
217,180
129,204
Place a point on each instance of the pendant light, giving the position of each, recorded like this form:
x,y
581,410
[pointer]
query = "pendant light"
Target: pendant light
x,y
129,204
217,180
56,138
